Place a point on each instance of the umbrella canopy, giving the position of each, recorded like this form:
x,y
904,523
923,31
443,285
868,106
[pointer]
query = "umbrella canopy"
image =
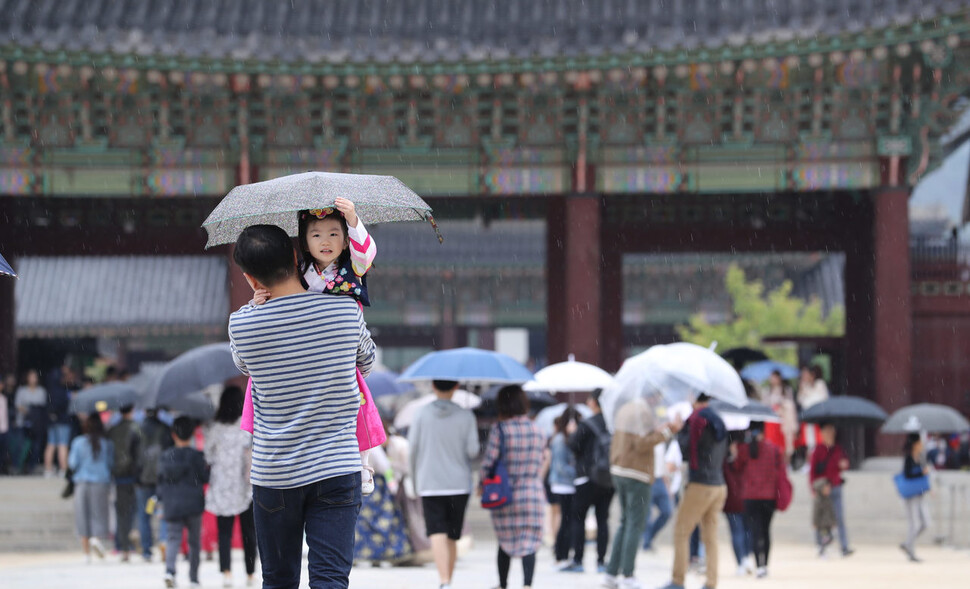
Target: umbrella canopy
x,y
196,405
535,397
102,397
384,383
723,381
569,377
845,410
6,268
191,372
406,415
926,417
377,199
742,356
468,365
753,411
760,371
545,419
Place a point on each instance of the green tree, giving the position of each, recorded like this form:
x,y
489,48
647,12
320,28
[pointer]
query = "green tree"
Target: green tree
x,y
757,315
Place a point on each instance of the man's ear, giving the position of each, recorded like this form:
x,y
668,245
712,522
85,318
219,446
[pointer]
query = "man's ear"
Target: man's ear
x,y
253,283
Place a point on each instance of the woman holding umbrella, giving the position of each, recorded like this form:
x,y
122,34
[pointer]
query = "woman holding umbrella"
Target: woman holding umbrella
x,y
914,468
518,524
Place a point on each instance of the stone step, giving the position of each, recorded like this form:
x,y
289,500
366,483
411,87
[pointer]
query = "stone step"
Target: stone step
x,y
34,517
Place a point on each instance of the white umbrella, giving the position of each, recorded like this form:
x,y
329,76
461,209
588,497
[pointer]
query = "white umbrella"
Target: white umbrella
x,y
545,419
723,381
569,377
406,415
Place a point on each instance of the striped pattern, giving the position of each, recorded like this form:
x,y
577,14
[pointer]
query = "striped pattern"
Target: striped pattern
x,y
363,249
301,352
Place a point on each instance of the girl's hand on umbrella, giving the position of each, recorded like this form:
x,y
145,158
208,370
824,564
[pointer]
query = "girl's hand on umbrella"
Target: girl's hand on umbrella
x,y
347,208
260,296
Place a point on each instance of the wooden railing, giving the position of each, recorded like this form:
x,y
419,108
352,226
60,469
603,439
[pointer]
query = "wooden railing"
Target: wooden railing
x,y
939,261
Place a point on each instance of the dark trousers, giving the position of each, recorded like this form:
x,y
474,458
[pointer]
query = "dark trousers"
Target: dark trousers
x,y
588,495
564,537
124,514
758,513
327,511
247,526
173,541
505,563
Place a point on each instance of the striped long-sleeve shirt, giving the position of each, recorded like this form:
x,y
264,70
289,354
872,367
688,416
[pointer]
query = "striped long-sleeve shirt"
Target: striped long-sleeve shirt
x,y
301,352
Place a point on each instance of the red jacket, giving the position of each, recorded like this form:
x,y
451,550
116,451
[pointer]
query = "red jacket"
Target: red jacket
x,y
760,475
831,457
734,480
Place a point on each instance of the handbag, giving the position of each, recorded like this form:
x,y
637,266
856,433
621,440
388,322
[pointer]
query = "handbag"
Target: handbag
x,y
783,488
909,488
496,487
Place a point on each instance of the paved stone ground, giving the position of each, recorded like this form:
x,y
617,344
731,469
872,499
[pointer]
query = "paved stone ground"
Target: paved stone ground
x,y
793,567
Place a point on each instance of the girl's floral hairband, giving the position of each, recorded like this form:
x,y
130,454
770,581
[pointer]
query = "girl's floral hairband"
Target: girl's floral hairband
x,y
321,213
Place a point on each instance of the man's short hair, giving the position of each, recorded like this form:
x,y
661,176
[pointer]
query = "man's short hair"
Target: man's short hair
x,y
444,385
265,252
183,427
595,395
703,398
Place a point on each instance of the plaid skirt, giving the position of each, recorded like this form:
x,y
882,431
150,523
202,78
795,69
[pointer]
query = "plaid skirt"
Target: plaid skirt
x,y
518,525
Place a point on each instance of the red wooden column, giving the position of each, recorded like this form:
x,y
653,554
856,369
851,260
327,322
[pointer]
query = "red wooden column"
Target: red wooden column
x,y
574,279
891,306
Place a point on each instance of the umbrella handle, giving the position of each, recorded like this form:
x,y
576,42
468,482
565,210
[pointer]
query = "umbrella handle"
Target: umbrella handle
x,y
434,226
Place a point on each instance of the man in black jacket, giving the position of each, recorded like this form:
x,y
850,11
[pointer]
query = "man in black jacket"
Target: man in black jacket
x,y
593,486
703,442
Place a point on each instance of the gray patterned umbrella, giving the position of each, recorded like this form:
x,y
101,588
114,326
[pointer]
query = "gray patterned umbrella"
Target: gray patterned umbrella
x,y
927,417
377,199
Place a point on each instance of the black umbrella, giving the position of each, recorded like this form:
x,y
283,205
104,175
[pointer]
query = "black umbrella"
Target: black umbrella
x,y
102,397
191,372
537,400
845,410
738,357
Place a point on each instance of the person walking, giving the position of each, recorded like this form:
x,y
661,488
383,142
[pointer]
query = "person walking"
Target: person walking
x,y
302,351
665,491
519,443
59,422
182,475
443,442
594,485
704,444
30,401
780,398
914,468
734,507
91,457
829,461
632,468
126,437
156,438
562,474
760,463
228,450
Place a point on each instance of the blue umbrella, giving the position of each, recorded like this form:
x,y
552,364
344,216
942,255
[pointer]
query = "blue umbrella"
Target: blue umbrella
x,y
760,371
467,365
385,384
5,268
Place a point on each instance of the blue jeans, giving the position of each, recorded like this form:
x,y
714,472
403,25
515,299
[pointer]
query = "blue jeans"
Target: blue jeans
x,y
327,510
839,519
740,536
142,494
659,498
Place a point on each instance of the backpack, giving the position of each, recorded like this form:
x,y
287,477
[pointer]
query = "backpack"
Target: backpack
x,y
600,469
126,451
153,444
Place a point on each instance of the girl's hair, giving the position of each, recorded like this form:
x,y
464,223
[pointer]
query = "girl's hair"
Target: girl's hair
x,y
94,428
560,423
230,405
511,402
817,372
304,220
757,428
911,440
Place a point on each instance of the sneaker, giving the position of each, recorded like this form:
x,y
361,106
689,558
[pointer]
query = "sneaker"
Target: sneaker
x,y
748,563
761,573
573,567
630,583
194,584
97,547
848,551
611,582
741,572
169,580
366,480
601,568
649,548
226,581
